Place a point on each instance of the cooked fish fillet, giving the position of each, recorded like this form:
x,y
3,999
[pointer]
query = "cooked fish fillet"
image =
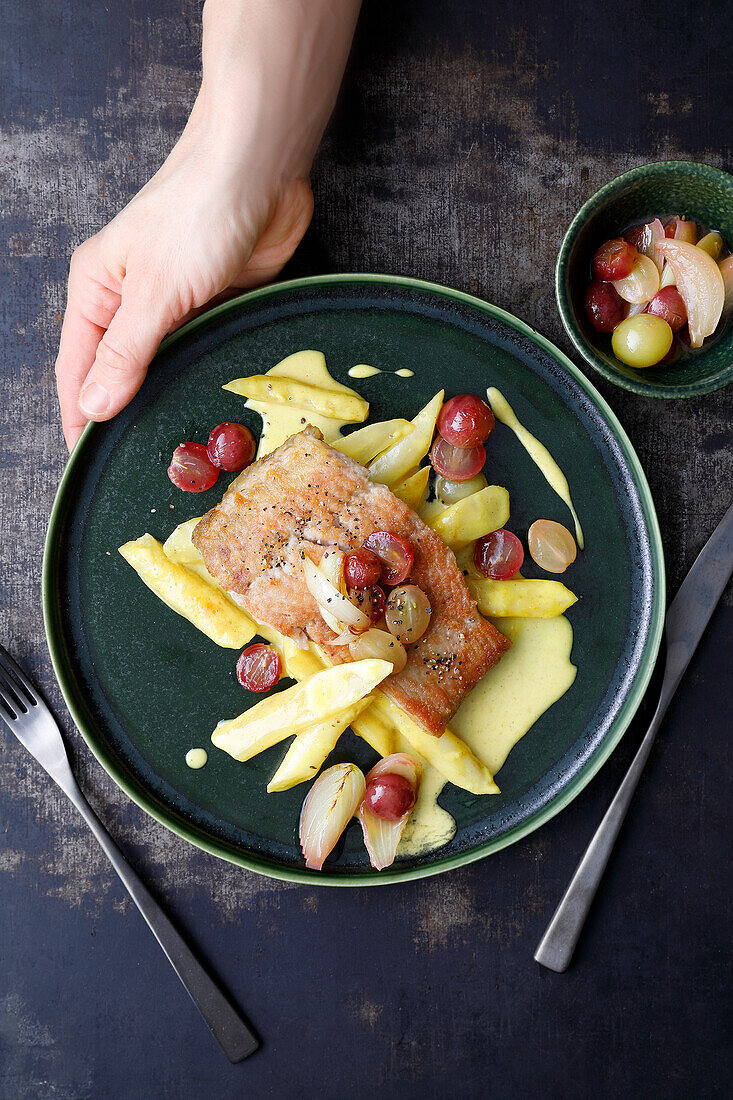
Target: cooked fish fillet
x,y
305,498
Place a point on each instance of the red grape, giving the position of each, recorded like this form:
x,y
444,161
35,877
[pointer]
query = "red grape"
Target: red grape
x,y
498,555
604,307
670,227
389,796
457,463
669,305
614,260
191,469
636,237
231,446
362,568
465,421
258,667
395,554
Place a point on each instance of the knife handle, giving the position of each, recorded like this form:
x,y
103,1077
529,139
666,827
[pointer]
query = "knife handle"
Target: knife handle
x,y
555,949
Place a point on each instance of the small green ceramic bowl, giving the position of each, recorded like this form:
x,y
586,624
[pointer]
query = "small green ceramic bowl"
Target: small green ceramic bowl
x,y
653,190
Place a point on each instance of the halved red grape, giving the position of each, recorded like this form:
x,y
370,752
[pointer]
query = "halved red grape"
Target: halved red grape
x,y
390,796
362,568
604,307
614,260
395,554
457,463
498,555
465,421
231,446
668,304
191,469
258,667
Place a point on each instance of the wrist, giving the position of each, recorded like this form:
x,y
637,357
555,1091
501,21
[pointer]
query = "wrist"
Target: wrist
x,y
271,71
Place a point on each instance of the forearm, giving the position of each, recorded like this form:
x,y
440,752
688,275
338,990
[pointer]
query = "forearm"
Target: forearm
x,y
271,74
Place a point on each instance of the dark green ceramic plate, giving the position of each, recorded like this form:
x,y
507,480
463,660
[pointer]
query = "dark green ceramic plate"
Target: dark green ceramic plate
x,y
144,686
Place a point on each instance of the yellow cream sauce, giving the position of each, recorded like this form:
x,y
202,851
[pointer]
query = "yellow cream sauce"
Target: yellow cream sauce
x,y
530,677
196,758
363,370
537,451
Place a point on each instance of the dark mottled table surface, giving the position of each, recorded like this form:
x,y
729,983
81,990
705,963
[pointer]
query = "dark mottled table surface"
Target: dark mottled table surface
x,y
467,136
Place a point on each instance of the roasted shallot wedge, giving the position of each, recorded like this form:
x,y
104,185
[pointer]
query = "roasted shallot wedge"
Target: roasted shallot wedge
x,y
700,282
650,234
389,797
726,270
338,612
329,806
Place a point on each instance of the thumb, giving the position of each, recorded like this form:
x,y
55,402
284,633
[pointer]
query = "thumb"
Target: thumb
x,y
122,358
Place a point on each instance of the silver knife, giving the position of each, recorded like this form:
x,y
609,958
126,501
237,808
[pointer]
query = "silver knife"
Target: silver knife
x,y
687,618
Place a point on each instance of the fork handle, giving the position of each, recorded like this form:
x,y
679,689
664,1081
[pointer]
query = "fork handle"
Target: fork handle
x,y
228,1028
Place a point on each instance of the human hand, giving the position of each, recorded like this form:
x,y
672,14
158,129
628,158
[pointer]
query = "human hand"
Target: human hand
x,y
197,231
225,212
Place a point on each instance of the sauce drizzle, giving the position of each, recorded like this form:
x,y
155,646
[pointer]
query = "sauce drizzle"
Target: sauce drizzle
x,y
363,370
537,451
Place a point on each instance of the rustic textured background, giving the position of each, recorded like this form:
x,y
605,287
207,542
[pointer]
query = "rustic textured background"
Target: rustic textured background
x,y
467,136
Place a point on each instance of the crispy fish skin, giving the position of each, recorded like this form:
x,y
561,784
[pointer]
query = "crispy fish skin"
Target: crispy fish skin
x,y
306,498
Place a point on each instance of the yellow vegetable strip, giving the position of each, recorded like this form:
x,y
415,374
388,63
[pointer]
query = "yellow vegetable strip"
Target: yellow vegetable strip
x,y
413,490
529,599
448,754
471,518
335,404
188,594
311,746
375,731
321,697
178,545
366,443
397,462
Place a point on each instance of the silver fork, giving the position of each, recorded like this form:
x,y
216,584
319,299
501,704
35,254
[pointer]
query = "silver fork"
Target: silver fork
x,y
27,716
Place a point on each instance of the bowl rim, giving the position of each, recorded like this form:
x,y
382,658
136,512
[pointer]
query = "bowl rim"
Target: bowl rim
x,y
581,344
147,802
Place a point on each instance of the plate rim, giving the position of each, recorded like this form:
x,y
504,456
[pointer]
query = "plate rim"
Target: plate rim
x,y
563,798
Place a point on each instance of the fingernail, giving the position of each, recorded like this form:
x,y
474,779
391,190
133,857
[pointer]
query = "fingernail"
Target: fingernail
x,y
94,400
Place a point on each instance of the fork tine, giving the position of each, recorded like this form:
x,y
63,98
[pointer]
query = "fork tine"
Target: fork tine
x,y
10,705
13,692
15,675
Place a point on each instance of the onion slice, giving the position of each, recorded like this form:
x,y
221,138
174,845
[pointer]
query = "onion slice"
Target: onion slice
x,y
643,282
700,282
337,611
726,270
346,637
382,837
653,232
685,231
329,806
332,567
